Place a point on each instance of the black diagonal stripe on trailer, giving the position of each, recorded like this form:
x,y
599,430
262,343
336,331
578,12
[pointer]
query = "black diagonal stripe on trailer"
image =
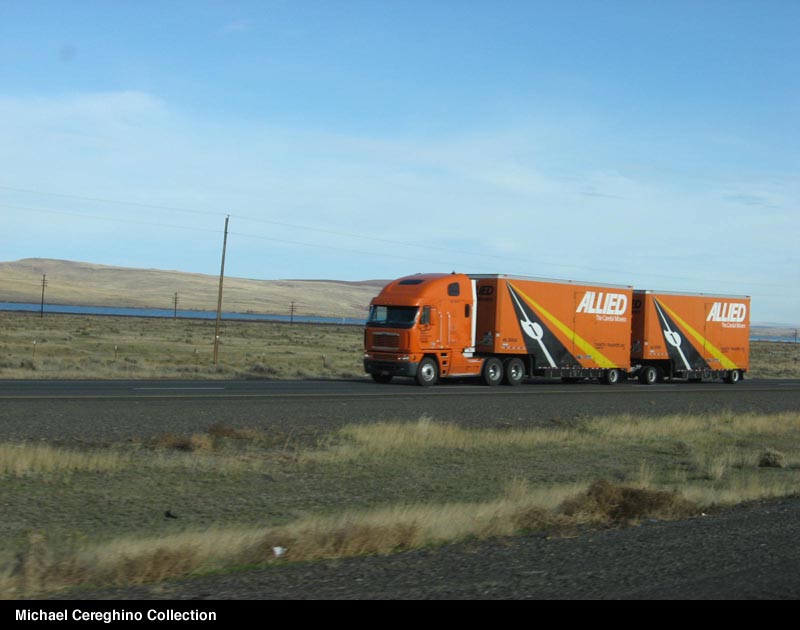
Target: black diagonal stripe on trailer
x,y
561,356
695,359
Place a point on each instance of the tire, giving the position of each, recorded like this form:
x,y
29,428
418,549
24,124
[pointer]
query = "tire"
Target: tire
x,y
648,375
612,377
492,372
382,378
427,372
514,372
734,376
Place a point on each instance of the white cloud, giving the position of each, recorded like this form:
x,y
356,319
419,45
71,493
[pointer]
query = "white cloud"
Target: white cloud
x,y
496,193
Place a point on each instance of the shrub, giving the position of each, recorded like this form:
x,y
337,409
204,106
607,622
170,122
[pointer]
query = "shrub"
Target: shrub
x,y
611,503
770,458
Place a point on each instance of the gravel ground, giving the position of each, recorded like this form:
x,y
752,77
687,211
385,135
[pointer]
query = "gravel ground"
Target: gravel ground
x,y
749,552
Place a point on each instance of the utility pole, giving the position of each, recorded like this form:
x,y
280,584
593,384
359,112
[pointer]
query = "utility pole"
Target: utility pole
x,y
175,306
44,284
219,298
291,312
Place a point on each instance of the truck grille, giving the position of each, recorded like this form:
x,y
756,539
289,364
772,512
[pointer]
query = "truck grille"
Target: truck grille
x,y
386,340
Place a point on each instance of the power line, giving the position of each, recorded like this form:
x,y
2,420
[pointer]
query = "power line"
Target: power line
x,y
112,201
102,218
427,247
197,229
427,260
294,226
374,239
340,249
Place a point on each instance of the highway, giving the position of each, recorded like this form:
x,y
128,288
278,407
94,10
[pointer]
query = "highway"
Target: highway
x,y
118,410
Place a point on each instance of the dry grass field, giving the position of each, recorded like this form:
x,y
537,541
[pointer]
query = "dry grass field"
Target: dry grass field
x,y
232,497
79,346
770,359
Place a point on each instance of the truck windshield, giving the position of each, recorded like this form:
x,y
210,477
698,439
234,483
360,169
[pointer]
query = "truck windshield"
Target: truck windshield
x,y
392,316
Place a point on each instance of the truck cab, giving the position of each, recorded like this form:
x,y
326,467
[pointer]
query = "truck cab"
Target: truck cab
x,y
423,327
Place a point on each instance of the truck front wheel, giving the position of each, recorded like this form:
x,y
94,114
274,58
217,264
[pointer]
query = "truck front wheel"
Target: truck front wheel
x,y
427,372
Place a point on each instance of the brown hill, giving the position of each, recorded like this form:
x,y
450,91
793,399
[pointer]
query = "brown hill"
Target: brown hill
x,y
83,283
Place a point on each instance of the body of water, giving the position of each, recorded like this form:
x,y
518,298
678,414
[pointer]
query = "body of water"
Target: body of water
x,y
183,314
781,339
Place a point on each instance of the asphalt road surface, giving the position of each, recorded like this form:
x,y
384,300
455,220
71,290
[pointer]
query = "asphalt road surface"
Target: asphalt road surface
x,y
108,411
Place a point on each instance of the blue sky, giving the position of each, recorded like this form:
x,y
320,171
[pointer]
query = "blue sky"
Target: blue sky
x,y
652,143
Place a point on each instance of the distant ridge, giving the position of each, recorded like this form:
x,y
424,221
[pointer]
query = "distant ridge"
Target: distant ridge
x,y
90,284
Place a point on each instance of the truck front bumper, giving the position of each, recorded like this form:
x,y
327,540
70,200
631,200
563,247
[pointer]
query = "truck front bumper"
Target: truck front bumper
x,y
390,368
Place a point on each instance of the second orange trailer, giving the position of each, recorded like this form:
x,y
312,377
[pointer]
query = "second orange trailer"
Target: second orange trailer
x,y
695,336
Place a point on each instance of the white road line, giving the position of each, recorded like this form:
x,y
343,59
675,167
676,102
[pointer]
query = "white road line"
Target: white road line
x,y
177,389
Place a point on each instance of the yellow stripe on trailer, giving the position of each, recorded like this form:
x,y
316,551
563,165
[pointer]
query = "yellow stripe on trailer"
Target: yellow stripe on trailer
x,y
579,341
715,352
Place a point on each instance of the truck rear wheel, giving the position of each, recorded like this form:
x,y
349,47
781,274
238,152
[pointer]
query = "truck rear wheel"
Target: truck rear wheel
x,y
612,377
492,373
734,376
427,372
648,375
514,371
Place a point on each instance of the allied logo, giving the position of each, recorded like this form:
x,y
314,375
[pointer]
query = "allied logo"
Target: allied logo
x,y
727,312
603,303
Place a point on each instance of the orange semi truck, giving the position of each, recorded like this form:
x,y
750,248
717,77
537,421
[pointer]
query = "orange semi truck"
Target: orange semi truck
x,y
504,328
501,328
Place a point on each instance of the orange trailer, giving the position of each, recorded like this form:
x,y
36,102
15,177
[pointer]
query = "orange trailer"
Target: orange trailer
x,y
498,327
690,335
557,328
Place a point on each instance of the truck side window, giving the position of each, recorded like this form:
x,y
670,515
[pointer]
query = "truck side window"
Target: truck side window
x,y
454,289
425,318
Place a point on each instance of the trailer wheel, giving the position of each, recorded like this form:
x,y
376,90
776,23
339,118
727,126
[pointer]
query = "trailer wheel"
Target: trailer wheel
x,y
648,375
492,373
427,372
733,377
612,377
514,371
